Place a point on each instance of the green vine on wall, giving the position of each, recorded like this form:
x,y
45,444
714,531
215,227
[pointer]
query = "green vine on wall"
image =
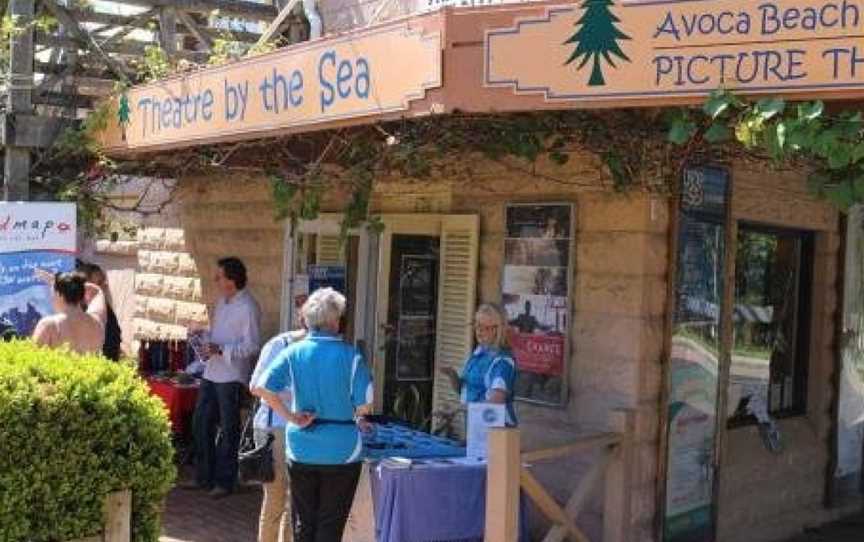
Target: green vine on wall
x,y
831,145
628,143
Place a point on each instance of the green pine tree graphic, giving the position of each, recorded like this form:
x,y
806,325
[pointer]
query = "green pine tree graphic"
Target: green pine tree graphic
x,y
597,36
123,113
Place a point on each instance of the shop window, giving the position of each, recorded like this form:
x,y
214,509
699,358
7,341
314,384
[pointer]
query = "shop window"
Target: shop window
x,y
770,321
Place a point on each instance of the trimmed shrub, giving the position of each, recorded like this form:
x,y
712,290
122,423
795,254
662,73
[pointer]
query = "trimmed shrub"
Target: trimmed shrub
x,y
72,430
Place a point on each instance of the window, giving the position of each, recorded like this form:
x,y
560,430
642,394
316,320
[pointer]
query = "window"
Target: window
x,y
770,319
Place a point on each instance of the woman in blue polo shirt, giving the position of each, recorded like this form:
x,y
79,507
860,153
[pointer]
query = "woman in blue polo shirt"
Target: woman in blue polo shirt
x,y
329,385
490,373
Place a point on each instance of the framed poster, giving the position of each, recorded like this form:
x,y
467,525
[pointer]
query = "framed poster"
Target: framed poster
x,y
33,236
536,297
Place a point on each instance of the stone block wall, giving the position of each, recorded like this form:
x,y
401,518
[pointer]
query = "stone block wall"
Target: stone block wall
x,y
620,285
228,216
214,218
167,286
617,324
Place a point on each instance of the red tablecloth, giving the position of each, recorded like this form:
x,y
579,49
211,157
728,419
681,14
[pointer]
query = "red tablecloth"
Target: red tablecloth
x,y
179,400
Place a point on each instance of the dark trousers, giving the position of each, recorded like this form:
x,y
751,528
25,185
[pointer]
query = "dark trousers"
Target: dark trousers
x,y
321,496
218,405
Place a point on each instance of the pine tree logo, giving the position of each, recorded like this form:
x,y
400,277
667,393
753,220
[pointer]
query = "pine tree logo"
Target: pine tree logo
x,y
597,36
123,113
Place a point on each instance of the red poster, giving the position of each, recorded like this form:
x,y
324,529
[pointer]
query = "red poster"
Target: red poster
x,y
538,353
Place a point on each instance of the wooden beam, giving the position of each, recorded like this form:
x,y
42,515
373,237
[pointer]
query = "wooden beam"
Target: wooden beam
x,y
168,30
138,21
90,16
502,486
118,517
30,131
134,49
577,500
277,22
80,70
72,26
16,164
618,491
587,443
242,8
238,35
548,506
190,25
59,99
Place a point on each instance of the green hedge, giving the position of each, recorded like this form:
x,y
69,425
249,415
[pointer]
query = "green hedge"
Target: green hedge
x,y
73,429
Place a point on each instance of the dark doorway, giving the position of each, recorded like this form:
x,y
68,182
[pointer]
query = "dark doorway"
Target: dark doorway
x,y
411,323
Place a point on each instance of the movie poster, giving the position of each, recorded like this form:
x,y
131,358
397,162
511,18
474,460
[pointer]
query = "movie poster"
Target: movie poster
x,y
535,290
32,236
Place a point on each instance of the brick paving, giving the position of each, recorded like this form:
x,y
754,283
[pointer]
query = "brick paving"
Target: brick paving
x,y
192,516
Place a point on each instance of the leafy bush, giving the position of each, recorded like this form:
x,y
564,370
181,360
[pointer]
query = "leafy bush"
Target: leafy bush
x,y
73,429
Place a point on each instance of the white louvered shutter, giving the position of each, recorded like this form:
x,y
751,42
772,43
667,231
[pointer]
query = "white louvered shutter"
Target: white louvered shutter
x,y
329,250
457,294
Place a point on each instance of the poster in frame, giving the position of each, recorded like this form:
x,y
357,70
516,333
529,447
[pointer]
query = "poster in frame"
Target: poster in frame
x,y
536,292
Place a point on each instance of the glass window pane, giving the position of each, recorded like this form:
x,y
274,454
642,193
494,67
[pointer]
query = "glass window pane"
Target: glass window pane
x,y
765,322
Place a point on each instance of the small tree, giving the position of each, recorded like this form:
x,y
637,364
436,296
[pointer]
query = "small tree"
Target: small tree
x,y
597,36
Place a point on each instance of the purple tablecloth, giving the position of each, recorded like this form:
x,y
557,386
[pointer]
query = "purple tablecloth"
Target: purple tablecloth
x,y
432,504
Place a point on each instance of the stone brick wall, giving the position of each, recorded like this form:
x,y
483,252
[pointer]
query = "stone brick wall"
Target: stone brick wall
x,y
766,497
214,218
167,286
233,216
618,323
617,326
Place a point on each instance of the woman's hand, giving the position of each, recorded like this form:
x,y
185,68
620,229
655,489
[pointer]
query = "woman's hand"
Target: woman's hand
x,y
455,381
302,419
43,275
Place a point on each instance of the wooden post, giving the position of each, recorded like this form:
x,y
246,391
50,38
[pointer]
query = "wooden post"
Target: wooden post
x,y
502,486
16,167
168,30
118,517
617,525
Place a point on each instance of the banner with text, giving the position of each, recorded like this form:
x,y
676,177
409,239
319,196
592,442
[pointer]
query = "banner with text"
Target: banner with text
x,y
32,236
351,76
607,50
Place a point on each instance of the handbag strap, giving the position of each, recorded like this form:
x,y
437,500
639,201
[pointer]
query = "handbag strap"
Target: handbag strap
x,y
269,417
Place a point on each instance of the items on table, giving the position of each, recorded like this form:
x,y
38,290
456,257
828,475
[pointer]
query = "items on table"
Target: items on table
x,y
162,355
394,440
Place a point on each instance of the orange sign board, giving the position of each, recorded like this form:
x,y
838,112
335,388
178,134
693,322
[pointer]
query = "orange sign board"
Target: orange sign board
x,y
356,75
599,50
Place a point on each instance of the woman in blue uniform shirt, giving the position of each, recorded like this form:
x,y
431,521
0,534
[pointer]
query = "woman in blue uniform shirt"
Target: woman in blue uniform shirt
x,y
329,385
490,373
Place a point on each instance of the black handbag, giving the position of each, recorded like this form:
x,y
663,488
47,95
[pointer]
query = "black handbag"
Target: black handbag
x,y
256,465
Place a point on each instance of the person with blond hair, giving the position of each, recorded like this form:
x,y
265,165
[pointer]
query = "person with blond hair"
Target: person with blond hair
x,y
489,374
330,387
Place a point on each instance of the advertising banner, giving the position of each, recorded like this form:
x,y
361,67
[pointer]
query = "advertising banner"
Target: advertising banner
x,y
32,236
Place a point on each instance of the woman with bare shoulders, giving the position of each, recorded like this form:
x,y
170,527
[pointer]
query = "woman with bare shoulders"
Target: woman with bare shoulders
x,y
82,331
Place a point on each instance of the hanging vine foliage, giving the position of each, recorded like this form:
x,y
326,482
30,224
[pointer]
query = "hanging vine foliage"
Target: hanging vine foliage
x,y
628,143
830,145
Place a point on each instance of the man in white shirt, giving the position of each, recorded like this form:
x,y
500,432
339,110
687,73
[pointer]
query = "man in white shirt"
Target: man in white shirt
x,y
235,339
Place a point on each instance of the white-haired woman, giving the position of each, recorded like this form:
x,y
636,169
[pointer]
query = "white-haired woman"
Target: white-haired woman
x,y
490,373
329,385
